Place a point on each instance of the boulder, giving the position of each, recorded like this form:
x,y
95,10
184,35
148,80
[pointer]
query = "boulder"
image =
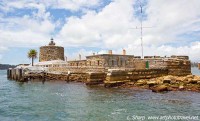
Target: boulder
x,y
151,83
196,77
193,81
160,88
167,80
131,83
141,82
189,80
179,79
174,82
189,76
181,87
184,79
159,81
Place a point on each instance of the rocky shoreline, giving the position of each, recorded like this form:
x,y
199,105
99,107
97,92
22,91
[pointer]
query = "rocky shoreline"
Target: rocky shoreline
x,y
167,83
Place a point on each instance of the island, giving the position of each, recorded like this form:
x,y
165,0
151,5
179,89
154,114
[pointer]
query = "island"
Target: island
x,y
110,70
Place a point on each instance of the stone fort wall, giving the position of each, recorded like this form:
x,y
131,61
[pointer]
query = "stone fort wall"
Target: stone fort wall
x,y
48,53
176,65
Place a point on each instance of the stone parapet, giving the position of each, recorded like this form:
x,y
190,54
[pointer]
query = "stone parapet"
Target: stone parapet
x,y
74,69
136,74
179,67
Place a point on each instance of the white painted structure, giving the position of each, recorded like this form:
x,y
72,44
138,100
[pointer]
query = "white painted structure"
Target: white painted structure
x,y
53,63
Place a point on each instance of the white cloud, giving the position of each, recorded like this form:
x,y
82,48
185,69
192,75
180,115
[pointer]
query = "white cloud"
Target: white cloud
x,y
109,28
37,28
105,28
191,50
171,19
28,30
72,5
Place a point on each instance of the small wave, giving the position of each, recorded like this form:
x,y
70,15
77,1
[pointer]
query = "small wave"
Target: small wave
x,y
119,111
60,94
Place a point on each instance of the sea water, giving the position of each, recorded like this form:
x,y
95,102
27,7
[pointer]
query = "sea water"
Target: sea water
x,y
61,101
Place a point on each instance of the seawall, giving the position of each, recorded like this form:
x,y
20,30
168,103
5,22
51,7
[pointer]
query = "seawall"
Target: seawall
x,y
91,78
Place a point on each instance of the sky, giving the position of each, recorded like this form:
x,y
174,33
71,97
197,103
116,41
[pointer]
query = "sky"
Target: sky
x,y
96,26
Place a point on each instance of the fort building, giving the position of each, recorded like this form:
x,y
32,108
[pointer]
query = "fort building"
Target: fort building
x,y
52,57
110,61
51,52
109,69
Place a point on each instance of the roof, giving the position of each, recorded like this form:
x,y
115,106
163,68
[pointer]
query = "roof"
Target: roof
x,y
23,66
110,55
76,60
51,62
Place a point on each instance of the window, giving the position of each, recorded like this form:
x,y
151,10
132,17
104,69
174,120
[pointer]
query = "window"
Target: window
x,y
112,62
98,62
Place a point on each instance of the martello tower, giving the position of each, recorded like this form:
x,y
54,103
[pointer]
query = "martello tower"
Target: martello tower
x,y
51,52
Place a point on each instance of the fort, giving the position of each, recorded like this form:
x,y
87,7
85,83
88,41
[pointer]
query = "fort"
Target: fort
x,y
107,69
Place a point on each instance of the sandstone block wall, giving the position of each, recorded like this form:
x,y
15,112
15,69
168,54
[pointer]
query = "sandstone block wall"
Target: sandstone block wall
x,y
135,74
72,69
176,65
157,63
78,77
179,67
111,61
77,63
139,64
95,78
48,53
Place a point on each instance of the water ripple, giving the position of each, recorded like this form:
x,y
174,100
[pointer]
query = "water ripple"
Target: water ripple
x,y
62,101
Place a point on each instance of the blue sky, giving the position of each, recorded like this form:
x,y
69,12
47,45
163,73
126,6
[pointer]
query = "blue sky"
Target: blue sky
x,y
88,26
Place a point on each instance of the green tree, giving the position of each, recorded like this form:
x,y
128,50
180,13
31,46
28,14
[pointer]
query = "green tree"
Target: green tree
x,y
32,54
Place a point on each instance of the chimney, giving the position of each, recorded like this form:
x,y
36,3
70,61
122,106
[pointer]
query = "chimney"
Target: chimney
x,y
110,52
79,56
124,52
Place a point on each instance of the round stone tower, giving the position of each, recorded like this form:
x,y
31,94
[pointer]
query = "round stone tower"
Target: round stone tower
x,y
51,52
